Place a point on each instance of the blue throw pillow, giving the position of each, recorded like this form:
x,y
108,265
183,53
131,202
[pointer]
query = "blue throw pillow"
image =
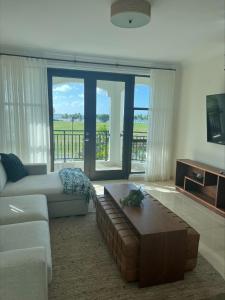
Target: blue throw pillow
x,y
13,166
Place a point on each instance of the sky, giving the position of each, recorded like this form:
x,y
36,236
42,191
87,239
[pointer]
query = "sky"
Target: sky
x,y
69,98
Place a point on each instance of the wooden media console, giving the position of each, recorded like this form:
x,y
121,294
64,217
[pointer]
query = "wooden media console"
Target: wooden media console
x,y
203,183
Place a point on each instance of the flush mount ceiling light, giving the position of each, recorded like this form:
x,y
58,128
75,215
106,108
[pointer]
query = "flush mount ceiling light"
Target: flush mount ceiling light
x,y
130,13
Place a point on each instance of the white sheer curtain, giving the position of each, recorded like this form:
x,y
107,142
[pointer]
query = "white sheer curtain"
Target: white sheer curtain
x,y
24,125
160,132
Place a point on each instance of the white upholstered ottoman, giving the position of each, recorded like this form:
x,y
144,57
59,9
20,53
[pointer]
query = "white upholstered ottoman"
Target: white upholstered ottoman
x,y
21,209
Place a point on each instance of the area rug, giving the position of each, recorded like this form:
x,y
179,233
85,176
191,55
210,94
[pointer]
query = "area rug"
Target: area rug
x,y
83,269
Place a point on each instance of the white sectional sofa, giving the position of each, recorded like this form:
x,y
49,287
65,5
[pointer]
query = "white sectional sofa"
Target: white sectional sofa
x,y
39,182
25,252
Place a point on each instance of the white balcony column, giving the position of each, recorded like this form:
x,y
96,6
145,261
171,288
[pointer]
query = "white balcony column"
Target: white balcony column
x,y
116,124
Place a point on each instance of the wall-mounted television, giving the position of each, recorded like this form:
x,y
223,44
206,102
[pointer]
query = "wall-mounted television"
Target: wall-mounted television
x,y
215,106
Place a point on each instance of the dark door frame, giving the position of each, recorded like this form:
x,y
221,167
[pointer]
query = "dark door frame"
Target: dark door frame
x,y
90,80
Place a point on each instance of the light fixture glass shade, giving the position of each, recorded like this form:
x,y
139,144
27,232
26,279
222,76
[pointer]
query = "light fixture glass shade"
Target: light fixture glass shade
x,y
130,13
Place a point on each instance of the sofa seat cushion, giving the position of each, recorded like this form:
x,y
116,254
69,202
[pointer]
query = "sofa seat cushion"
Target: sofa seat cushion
x,y
19,209
49,184
27,235
23,274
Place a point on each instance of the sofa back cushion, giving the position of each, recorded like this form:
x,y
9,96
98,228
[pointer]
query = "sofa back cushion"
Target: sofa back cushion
x,y
3,177
13,166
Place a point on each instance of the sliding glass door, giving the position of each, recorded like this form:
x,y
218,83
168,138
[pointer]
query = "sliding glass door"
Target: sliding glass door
x,y
91,120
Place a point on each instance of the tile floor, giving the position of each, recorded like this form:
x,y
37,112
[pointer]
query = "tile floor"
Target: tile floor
x,y
210,225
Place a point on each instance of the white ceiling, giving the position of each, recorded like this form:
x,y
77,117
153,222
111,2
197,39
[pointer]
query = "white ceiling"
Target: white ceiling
x,y
178,29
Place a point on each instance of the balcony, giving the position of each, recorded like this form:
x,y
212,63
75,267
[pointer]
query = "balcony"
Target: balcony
x,y
69,148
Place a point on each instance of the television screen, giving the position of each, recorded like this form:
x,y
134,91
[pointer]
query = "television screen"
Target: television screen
x,y
216,118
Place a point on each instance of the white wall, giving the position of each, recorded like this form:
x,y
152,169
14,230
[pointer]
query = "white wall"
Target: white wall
x,y
198,79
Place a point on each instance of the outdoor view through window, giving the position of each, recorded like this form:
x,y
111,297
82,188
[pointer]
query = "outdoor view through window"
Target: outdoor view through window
x,y
68,123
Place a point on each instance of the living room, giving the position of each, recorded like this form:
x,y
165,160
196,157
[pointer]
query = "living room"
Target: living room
x,y
112,143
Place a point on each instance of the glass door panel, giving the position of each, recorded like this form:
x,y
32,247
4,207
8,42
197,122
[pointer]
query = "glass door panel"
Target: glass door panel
x,y
139,141
68,122
109,125
140,124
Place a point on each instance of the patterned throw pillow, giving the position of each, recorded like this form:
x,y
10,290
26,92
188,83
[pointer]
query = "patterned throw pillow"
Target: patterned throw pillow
x,y
13,166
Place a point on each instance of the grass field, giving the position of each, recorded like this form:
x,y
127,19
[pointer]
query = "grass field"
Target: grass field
x,y
62,125
72,146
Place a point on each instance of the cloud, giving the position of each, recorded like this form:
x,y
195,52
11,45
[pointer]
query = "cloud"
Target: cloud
x,y
101,92
77,103
62,88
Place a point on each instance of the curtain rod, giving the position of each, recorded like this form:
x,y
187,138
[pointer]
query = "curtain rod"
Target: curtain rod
x,y
90,63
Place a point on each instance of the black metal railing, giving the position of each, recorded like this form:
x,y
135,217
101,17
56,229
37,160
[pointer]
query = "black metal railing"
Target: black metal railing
x,y
139,146
69,145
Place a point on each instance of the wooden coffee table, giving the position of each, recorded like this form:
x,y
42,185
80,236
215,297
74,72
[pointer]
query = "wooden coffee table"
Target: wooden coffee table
x,y
162,237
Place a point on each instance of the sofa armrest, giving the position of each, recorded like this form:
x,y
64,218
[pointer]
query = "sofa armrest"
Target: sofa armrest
x,y
23,274
36,169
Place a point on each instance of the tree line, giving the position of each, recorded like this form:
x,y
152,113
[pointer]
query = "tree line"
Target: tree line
x,y
140,117
79,117
100,117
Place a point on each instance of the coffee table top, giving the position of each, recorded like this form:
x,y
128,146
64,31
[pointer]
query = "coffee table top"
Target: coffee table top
x,y
150,218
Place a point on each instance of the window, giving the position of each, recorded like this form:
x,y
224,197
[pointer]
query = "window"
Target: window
x,y
140,125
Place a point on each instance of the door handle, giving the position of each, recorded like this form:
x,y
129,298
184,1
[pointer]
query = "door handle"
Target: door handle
x,y
86,140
